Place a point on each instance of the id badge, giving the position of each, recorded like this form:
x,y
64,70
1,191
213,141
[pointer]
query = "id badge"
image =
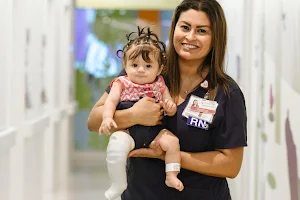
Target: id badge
x,y
200,108
199,123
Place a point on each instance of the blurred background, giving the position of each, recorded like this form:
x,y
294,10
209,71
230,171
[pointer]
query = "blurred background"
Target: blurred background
x,y
57,57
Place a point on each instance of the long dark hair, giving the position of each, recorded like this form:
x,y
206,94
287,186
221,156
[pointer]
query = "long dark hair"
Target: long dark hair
x,y
215,58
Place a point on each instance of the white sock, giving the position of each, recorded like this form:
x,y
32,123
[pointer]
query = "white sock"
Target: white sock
x,y
120,144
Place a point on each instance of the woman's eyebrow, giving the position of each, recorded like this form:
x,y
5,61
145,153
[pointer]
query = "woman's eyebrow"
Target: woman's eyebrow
x,y
199,26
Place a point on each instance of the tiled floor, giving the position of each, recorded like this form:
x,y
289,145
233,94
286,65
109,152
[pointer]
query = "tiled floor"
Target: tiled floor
x,y
87,182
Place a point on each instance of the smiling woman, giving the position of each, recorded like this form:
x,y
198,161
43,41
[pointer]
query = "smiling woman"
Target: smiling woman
x,y
192,36
211,151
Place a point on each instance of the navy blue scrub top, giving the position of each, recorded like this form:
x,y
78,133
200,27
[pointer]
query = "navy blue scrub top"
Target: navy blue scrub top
x,y
146,176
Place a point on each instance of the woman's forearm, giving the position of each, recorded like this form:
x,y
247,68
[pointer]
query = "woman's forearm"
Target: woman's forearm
x,y
145,112
95,119
224,163
220,163
123,118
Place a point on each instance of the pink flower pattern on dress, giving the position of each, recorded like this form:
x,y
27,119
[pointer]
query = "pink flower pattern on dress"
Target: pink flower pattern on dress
x,y
133,92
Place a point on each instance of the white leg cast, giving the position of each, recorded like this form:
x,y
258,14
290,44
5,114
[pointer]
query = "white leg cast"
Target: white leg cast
x,y
120,144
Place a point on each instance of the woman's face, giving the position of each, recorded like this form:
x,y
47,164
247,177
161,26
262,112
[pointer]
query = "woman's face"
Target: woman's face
x,y
195,102
192,36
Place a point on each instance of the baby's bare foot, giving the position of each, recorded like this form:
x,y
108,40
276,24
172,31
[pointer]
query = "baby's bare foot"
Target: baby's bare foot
x,y
174,182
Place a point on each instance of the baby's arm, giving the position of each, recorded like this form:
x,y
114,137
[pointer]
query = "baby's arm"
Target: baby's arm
x,y
110,107
168,103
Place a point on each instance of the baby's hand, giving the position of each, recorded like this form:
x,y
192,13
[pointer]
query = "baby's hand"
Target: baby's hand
x,y
169,107
106,125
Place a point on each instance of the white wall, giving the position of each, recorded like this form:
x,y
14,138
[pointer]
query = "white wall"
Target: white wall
x,y
36,107
266,34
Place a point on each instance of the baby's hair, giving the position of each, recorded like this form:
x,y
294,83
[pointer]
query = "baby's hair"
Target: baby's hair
x,y
146,42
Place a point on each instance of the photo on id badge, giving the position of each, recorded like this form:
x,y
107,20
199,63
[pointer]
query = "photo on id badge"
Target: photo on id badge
x,y
200,108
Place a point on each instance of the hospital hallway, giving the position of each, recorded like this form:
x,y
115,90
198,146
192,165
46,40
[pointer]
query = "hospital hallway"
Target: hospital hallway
x,y
59,56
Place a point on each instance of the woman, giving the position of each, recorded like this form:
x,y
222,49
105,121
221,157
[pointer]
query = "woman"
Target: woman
x,y
195,105
210,152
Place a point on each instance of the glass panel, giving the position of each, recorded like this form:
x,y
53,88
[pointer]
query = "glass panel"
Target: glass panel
x,y
98,36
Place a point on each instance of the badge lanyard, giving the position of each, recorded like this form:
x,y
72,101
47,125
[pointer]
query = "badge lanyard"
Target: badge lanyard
x,y
206,95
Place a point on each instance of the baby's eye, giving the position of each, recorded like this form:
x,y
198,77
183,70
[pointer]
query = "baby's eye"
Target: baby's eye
x,y
134,65
148,66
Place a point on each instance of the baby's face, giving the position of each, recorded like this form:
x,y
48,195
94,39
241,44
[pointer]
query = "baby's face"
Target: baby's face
x,y
141,72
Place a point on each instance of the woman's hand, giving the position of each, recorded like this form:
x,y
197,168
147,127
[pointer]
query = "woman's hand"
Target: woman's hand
x,y
146,112
154,151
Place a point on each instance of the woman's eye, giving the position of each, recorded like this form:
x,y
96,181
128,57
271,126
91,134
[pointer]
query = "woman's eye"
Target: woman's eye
x,y
185,27
148,66
202,31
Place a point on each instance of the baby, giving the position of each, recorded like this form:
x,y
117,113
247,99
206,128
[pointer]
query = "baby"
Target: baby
x,y
144,58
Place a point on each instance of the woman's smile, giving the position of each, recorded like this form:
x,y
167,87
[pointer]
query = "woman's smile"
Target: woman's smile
x,y
189,46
